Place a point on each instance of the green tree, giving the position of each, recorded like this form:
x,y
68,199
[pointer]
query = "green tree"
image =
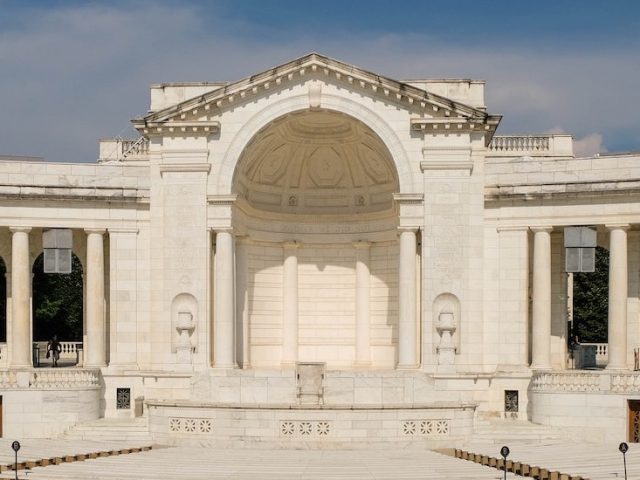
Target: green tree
x,y
590,301
57,303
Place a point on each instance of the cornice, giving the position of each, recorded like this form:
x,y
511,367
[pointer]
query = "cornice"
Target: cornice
x,y
184,167
309,66
409,198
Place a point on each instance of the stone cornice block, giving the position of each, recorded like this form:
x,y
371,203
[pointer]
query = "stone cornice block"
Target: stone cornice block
x,y
184,167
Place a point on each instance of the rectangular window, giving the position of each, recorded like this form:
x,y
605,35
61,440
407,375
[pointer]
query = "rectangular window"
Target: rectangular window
x,y
511,401
123,398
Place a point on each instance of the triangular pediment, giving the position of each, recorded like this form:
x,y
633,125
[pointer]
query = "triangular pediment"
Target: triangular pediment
x,y
355,78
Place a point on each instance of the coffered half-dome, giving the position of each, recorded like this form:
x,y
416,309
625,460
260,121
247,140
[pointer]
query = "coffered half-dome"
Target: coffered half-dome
x,y
318,162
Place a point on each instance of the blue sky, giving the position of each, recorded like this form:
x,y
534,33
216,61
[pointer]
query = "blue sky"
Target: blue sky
x,y
72,72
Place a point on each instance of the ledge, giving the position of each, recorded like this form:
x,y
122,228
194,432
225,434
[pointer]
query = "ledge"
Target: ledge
x,y
286,406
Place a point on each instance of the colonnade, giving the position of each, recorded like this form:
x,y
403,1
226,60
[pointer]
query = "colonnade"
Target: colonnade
x,y
541,297
95,348
224,341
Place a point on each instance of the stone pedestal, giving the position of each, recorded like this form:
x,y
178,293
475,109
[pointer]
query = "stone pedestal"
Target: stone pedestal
x,y
184,348
446,349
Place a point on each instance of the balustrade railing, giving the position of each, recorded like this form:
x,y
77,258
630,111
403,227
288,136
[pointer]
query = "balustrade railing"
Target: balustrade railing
x,y
523,143
581,381
566,381
531,145
601,351
4,357
44,379
120,149
70,353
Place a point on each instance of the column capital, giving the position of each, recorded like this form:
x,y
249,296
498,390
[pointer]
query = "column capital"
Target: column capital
x,y
291,244
617,226
99,231
361,244
541,228
20,229
217,230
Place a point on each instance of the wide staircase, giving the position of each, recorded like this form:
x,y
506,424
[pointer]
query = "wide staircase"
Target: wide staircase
x,y
504,431
111,429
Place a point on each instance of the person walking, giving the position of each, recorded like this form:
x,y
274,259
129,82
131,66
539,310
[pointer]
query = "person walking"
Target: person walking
x,y
53,349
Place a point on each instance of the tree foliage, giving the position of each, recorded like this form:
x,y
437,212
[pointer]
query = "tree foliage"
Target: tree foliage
x,y
590,301
57,303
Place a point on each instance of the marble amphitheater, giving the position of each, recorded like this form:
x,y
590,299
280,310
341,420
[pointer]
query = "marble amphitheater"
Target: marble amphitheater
x,y
319,255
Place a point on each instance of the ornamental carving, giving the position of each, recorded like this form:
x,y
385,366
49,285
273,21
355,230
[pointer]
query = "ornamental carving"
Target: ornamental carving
x,y
305,429
196,426
412,428
329,162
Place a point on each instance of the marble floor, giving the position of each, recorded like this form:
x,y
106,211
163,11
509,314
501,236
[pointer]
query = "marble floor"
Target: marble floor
x,y
593,461
204,463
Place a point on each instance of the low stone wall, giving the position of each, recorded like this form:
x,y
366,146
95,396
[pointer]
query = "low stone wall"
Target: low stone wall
x,y
292,426
47,402
584,401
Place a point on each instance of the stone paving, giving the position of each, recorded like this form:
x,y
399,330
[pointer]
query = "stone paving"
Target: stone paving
x,y
593,461
200,463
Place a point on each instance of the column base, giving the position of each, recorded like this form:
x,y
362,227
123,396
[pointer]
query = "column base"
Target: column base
x,y
540,367
225,367
408,367
617,367
362,364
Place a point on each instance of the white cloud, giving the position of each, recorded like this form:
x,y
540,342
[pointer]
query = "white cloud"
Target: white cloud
x,y
589,145
73,75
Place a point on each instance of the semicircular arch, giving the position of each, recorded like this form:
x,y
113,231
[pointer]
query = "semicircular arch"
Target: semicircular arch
x,y
330,102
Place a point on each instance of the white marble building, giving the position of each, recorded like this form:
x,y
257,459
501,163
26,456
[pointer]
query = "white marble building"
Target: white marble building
x,y
319,253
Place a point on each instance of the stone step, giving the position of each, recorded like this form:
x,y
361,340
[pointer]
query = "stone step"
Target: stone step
x,y
107,429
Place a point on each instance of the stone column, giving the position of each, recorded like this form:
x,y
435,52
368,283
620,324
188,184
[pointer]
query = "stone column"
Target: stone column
x,y
541,292
617,317
363,334
20,298
290,304
223,303
407,325
242,302
95,352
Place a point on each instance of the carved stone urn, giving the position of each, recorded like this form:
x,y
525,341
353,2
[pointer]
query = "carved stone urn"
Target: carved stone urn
x,y
446,327
185,327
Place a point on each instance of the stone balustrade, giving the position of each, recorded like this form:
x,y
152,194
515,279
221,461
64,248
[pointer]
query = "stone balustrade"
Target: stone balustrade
x,y
4,355
625,382
70,351
50,379
119,149
531,146
581,381
601,351
566,381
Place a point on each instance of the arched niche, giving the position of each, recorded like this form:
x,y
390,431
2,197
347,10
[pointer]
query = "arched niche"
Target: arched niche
x,y
316,162
184,321
443,304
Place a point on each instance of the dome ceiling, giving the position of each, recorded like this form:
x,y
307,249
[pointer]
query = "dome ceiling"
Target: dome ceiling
x,y
316,162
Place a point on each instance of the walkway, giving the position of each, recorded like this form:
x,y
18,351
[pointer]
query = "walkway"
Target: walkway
x,y
593,461
200,464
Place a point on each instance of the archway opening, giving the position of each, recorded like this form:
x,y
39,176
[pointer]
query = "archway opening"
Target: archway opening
x,y
590,309
57,311
315,191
